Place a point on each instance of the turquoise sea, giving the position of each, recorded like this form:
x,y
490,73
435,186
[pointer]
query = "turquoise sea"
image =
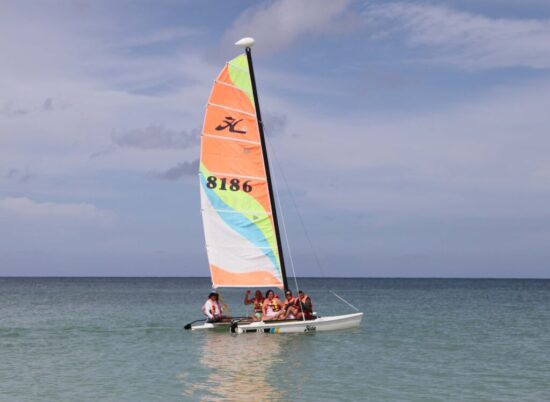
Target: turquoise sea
x,y
121,339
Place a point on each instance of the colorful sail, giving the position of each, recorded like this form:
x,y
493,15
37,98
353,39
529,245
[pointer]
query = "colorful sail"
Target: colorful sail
x,y
236,209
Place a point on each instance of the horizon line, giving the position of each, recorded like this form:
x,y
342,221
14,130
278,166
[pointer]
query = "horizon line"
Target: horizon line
x,y
300,277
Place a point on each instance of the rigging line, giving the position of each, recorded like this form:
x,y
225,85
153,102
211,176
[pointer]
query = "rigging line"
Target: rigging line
x,y
222,302
275,186
344,300
279,205
287,243
317,260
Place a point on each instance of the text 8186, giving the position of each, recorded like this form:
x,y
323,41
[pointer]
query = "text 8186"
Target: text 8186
x,y
224,184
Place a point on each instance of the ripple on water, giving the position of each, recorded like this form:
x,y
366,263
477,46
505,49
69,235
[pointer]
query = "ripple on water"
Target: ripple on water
x,y
122,340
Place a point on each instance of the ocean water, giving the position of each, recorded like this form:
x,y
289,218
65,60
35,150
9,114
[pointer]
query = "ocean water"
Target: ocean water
x,y
121,339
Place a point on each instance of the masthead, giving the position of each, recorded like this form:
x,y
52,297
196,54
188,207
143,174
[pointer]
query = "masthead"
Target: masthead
x,y
245,42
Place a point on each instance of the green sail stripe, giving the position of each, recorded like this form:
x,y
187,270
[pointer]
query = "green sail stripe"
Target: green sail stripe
x,y
246,205
239,74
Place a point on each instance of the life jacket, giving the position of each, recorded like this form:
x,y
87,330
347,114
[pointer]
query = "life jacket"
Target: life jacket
x,y
292,302
213,308
303,301
274,306
258,304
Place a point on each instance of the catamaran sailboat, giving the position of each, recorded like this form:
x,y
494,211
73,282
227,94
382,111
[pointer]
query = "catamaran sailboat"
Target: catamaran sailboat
x,y
238,208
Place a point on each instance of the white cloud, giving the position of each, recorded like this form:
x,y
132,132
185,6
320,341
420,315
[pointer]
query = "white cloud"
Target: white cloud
x,y
278,24
26,208
156,137
71,78
183,169
53,118
484,158
469,40
158,37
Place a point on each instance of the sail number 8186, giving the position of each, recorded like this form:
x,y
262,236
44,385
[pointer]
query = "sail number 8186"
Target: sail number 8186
x,y
224,184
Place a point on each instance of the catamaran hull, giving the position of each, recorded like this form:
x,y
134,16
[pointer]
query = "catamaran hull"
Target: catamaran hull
x,y
319,324
331,323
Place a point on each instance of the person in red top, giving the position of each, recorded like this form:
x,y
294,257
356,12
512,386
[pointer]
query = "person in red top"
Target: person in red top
x,y
257,301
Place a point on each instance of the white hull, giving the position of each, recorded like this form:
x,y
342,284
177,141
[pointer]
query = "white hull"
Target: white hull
x,y
211,326
284,327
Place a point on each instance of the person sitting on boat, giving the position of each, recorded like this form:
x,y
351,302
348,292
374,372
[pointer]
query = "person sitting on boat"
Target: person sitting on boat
x,y
290,306
305,306
257,301
212,308
272,307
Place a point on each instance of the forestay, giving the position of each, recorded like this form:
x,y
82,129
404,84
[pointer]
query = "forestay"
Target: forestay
x,y
236,209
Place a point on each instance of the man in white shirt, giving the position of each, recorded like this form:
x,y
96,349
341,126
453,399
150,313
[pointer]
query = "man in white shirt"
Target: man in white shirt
x,y
212,308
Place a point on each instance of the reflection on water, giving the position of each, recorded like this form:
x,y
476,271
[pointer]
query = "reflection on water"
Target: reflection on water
x,y
239,368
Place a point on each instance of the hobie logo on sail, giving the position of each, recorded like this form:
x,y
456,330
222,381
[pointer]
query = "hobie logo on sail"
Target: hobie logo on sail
x,y
231,124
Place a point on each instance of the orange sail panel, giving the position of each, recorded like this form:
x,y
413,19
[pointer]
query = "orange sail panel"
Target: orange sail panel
x,y
236,208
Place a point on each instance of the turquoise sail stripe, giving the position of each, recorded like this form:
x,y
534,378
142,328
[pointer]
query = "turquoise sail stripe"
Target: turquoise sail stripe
x,y
240,223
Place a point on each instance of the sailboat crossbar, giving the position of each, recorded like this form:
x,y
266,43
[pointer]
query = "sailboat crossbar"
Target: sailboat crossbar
x,y
231,109
263,285
233,86
239,247
221,137
228,211
238,68
238,175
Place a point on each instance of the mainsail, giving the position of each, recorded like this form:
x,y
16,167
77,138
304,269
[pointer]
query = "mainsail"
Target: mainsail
x,y
240,223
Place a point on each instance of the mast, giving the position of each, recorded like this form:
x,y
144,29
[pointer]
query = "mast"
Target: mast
x,y
266,162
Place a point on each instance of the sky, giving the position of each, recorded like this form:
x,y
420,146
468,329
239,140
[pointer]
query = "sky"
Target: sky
x,y
408,139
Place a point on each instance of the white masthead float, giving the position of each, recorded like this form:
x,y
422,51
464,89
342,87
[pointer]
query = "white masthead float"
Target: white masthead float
x,y
238,207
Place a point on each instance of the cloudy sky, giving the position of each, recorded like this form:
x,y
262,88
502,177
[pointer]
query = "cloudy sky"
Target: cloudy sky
x,y
411,137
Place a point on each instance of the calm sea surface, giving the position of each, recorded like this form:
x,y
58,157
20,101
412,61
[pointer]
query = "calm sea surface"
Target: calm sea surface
x,y
115,339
